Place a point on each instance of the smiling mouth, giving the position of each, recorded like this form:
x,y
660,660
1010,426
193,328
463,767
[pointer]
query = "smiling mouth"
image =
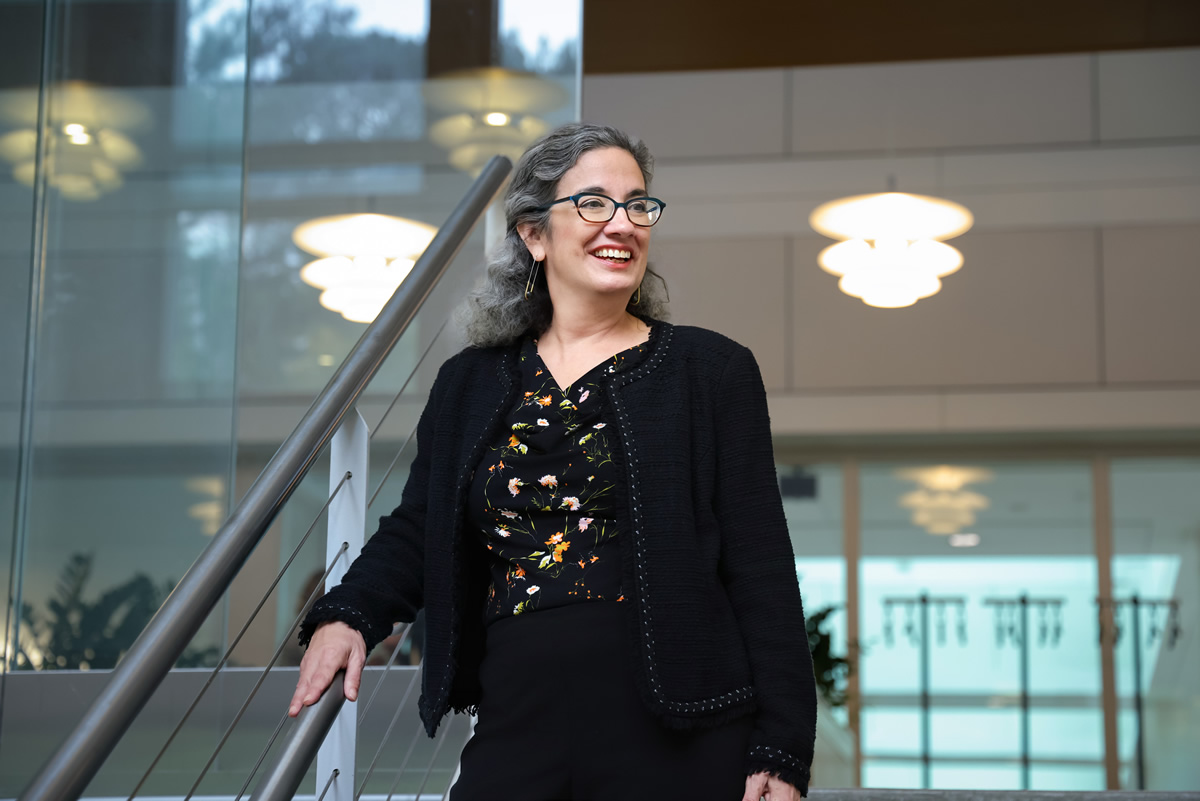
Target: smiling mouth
x,y
613,254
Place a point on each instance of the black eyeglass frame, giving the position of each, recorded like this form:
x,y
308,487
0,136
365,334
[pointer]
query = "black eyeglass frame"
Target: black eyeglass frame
x,y
616,205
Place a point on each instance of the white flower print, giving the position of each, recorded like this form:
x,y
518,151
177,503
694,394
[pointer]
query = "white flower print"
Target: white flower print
x,y
542,421
502,532
514,485
532,589
584,522
509,515
584,396
599,425
571,503
548,481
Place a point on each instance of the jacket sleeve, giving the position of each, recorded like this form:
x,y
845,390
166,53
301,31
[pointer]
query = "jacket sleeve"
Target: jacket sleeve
x,y
384,585
759,572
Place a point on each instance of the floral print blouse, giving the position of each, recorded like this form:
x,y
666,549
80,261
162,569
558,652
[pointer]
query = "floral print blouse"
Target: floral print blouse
x,y
543,495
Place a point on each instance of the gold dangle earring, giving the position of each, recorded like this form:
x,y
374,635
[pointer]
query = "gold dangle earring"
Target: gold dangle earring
x,y
532,281
637,297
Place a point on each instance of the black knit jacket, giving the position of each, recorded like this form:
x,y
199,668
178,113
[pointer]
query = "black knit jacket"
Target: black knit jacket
x,y
706,557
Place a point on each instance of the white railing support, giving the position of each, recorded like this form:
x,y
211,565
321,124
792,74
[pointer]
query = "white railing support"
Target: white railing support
x,y
348,453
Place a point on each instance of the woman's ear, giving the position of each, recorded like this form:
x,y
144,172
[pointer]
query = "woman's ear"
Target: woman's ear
x,y
533,240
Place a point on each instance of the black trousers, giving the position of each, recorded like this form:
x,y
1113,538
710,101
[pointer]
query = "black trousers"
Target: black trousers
x,y
561,718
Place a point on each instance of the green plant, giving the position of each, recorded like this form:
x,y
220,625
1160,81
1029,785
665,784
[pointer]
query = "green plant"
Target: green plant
x,y
830,671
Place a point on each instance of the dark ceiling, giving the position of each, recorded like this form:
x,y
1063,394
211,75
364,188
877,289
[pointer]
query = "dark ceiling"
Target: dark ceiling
x,y
657,35
137,42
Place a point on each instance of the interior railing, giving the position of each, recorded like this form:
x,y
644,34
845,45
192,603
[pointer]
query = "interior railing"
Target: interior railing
x,y
75,763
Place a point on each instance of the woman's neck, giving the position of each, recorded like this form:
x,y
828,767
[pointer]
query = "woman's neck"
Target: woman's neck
x,y
577,341
574,325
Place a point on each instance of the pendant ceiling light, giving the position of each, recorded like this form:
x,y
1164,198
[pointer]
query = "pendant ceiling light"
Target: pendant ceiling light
x,y
365,258
489,111
891,254
942,504
87,146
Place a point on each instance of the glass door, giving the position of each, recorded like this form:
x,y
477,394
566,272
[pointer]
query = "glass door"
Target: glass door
x,y
979,665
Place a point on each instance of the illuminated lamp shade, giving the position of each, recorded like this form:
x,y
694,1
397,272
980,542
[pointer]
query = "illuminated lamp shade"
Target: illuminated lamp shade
x,y
365,258
942,504
489,111
86,149
891,255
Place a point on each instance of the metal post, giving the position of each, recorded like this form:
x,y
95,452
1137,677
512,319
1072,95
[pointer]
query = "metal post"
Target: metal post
x,y
926,735
1103,531
1139,744
348,453
851,547
1023,602
917,611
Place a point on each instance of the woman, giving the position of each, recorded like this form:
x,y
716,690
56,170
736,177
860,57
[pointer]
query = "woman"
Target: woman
x,y
592,524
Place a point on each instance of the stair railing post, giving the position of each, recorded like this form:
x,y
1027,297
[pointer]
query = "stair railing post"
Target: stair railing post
x,y
348,453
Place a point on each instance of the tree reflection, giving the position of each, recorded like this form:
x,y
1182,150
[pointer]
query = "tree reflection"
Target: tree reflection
x,y
79,634
314,41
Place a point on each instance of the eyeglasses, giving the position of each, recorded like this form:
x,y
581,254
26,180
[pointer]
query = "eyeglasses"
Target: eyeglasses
x,y
642,211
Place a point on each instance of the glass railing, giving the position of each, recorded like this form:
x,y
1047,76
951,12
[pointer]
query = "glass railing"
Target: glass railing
x,y
173,343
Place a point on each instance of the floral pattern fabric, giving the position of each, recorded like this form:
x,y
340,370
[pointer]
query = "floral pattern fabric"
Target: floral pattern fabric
x,y
543,495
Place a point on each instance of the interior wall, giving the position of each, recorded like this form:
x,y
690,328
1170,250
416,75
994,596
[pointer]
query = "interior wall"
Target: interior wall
x,y
1073,310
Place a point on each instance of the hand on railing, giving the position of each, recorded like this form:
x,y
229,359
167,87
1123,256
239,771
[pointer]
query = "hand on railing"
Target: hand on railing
x,y
334,646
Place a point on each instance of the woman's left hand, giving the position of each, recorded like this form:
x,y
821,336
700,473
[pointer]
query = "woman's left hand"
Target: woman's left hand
x,y
764,785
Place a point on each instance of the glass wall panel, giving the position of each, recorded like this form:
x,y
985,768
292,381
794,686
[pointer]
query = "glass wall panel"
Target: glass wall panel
x,y
370,108
812,501
978,586
1156,560
20,41
131,446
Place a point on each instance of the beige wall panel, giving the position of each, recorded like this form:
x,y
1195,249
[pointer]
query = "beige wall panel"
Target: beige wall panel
x,y
1152,303
736,287
1092,409
1149,94
1073,410
694,114
1002,101
1022,311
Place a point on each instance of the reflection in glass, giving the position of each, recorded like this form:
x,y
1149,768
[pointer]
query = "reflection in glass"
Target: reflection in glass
x,y
812,500
1156,559
130,445
1034,539
88,144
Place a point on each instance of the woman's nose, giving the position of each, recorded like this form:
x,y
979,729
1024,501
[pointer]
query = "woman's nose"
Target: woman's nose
x,y
621,221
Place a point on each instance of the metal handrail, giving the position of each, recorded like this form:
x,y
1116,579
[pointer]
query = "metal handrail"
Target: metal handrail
x,y
286,770
66,774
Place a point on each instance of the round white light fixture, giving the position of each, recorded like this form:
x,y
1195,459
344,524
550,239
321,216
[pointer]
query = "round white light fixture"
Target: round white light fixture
x,y
86,149
489,111
942,505
891,254
365,259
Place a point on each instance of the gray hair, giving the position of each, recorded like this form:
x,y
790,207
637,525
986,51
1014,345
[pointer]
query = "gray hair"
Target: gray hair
x,y
497,311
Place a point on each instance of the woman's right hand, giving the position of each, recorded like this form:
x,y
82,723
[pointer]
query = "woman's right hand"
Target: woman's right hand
x,y
333,646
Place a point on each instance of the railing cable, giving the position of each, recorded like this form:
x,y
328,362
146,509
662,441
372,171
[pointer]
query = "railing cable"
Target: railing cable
x,y
404,762
262,677
328,784
396,398
362,715
387,734
262,755
229,651
432,761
